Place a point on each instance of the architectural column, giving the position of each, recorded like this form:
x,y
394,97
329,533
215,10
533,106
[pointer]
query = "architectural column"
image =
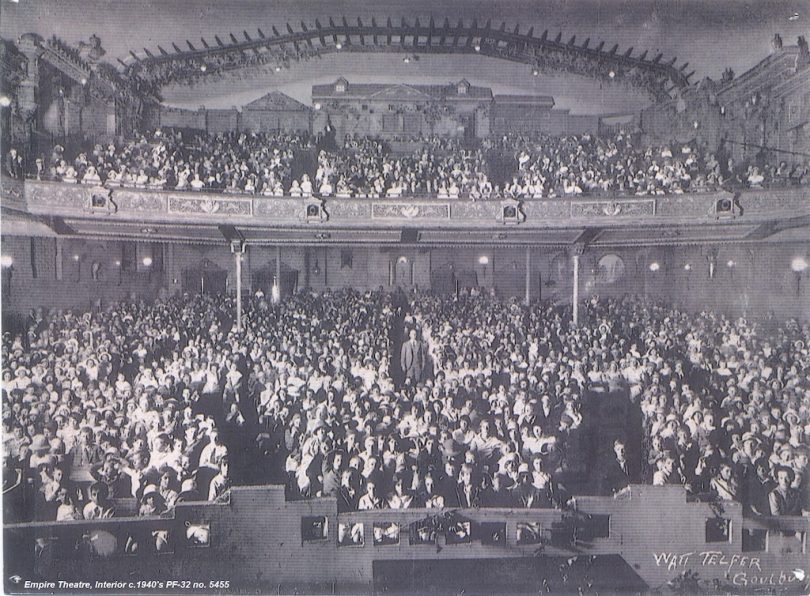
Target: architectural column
x,y
577,252
58,264
170,267
528,275
28,88
576,289
277,282
238,256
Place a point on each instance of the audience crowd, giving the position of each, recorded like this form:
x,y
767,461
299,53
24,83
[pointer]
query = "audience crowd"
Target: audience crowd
x,y
518,166
229,162
549,166
490,411
394,401
103,408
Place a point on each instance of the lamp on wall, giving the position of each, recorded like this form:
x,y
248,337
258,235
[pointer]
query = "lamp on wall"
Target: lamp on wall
x,y
799,266
483,260
147,262
7,264
78,260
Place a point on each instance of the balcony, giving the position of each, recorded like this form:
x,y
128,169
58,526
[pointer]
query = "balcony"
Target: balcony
x,y
670,219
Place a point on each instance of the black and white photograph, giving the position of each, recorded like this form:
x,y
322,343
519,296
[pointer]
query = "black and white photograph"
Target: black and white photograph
x,y
453,297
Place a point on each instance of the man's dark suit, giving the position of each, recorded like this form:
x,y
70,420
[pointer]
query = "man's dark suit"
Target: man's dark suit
x,y
617,476
466,501
412,360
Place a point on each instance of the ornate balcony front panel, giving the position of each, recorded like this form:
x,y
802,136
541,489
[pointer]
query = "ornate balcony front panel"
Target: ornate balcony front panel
x,y
721,214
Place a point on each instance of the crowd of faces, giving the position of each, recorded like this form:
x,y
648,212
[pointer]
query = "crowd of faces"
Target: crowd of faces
x,y
135,396
529,167
104,408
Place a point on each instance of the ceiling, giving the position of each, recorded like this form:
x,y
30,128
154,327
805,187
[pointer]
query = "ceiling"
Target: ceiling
x,y
706,34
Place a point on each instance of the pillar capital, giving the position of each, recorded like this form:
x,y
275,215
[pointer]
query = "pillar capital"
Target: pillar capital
x,y
578,249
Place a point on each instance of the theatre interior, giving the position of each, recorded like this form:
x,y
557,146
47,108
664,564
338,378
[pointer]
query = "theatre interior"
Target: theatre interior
x,y
439,298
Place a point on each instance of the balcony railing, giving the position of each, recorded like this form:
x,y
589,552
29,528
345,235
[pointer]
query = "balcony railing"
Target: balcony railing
x,y
82,201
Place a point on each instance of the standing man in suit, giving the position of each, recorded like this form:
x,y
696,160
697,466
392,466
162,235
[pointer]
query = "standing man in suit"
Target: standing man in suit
x,y
412,358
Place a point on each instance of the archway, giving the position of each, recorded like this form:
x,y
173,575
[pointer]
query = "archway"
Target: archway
x,y
205,278
265,277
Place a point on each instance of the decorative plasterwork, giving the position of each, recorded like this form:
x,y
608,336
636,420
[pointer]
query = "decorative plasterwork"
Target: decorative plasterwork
x,y
511,212
615,208
410,211
206,205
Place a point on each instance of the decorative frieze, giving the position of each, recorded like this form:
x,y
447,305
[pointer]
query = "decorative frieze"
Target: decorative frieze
x,y
207,205
410,210
615,208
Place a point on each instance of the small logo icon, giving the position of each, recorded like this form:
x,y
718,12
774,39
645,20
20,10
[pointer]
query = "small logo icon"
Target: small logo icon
x,y
15,579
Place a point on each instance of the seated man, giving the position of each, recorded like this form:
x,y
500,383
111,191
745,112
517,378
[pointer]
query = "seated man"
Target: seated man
x,y
784,499
99,506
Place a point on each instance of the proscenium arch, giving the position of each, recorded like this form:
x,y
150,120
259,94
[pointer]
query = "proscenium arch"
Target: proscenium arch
x,y
412,39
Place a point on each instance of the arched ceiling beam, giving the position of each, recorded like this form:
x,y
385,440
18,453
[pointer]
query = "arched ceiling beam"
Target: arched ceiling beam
x,y
500,43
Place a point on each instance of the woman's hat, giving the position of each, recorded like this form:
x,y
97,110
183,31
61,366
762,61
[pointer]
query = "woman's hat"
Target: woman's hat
x,y
39,443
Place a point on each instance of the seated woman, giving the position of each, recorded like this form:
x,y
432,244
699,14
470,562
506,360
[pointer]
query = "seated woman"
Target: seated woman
x,y
114,177
152,502
343,190
306,186
196,182
69,175
91,176
141,179
724,484
395,190
400,498
182,179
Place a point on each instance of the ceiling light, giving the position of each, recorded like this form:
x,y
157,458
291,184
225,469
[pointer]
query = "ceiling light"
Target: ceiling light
x,y
118,263
654,266
687,267
5,101
83,81
278,69
730,264
483,260
612,74
76,258
477,48
147,261
6,261
203,68
339,45
798,264
535,72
